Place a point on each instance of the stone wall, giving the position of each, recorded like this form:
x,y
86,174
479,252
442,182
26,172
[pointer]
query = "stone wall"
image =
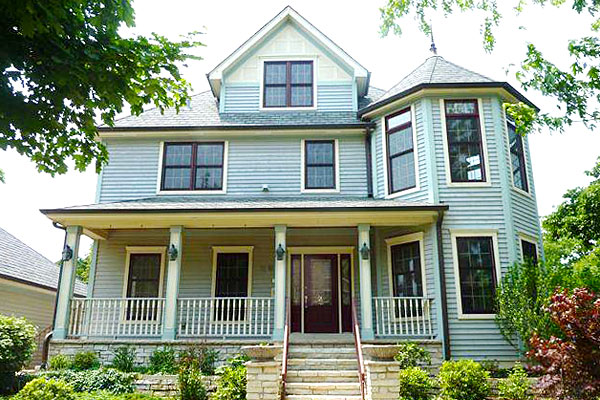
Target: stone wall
x,y
382,380
263,380
167,385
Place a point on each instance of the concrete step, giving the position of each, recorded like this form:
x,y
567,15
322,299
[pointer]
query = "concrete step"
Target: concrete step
x,y
346,364
323,388
322,352
321,397
317,375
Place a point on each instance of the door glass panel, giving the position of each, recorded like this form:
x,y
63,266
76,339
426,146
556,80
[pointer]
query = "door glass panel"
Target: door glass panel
x,y
318,288
345,270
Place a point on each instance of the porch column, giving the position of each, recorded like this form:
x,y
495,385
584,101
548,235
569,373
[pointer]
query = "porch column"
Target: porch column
x,y
67,281
366,297
280,285
172,292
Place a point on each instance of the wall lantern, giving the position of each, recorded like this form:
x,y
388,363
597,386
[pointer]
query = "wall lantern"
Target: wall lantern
x,y
173,253
280,252
67,253
365,252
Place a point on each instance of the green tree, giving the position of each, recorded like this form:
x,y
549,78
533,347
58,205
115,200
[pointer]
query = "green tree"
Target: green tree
x,y
576,88
65,66
83,267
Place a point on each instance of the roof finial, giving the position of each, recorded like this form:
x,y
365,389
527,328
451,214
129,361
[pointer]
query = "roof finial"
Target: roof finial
x,y
433,48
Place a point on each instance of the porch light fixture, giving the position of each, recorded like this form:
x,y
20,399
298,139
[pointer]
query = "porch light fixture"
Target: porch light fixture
x,y
280,252
67,253
365,252
173,253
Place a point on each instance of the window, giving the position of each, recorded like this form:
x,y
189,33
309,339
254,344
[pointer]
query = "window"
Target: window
x,y
407,277
529,251
288,84
517,158
231,278
143,274
465,146
193,166
401,153
476,274
319,164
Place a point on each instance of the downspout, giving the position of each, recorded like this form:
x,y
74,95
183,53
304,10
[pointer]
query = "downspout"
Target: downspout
x,y
369,161
442,275
46,344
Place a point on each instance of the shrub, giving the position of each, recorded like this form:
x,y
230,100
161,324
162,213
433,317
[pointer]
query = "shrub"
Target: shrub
x,y
410,354
204,356
85,360
463,380
163,361
571,366
42,389
59,361
104,395
516,386
415,384
493,367
124,358
191,386
96,379
17,344
231,384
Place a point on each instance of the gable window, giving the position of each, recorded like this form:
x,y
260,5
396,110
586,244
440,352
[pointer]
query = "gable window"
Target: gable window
x,y
400,150
231,278
517,157
476,274
529,251
288,84
319,164
193,166
144,272
465,145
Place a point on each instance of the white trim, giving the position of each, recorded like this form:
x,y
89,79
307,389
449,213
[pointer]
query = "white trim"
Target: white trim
x,y
524,237
510,172
486,158
231,249
413,119
184,192
303,167
393,241
456,233
263,59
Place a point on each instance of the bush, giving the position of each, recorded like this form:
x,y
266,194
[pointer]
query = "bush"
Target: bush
x,y
231,384
410,354
516,386
463,380
17,344
96,379
415,384
59,361
42,389
163,361
191,386
85,360
104,395
493,367
204,356
124,358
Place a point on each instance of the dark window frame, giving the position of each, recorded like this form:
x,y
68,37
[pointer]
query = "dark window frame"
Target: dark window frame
x,y
288,84
418,275
193,166
390,157
464,310
332,164
534,245
148,314
230,311
520,153
476,116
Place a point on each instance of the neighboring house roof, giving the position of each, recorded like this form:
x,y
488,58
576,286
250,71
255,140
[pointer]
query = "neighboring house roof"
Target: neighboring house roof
x,y
437,72
21,263
194,203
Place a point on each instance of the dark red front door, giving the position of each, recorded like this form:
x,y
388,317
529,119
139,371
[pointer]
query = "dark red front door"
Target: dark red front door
x,y
320,294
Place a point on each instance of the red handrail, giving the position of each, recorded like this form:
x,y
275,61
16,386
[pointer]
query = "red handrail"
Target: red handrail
x,y
359,353
286,345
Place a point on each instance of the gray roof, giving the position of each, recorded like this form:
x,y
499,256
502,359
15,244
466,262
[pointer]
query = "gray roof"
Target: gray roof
x,y
21,263
243,203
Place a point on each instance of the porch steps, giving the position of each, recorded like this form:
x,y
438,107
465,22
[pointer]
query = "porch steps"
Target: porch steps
x,y
322,372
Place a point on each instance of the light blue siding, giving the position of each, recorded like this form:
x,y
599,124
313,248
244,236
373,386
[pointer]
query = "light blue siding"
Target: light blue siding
x,y
335,97
240,98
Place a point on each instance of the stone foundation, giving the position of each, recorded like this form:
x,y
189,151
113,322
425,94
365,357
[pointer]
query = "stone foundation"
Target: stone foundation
x,y
382,380
167,385
263,380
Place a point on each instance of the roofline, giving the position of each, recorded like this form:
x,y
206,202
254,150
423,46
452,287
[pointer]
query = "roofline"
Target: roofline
x,y
433,207
233,127
34,284
502,85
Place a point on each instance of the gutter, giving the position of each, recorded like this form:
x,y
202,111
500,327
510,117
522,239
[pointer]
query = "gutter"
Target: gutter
x,y
442,276
358,125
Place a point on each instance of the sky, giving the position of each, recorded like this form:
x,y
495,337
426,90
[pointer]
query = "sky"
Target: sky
x,y
559,160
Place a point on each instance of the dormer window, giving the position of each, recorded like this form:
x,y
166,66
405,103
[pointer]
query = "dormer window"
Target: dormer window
x,y
288,84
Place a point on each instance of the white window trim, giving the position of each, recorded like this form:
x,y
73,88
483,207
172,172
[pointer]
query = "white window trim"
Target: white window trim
x,y
457,233
394,241
129,250
486,158
530,239
263,59
384,150
183,192
525,158
303,167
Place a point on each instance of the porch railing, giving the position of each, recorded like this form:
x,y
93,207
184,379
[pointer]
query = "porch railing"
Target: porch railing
x,y
224,317
403,316
111,317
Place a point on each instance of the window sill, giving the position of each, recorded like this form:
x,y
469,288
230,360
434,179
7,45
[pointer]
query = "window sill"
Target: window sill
x,y
192,192
468,184
318,191
262,108
476,317
402,192
522,192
